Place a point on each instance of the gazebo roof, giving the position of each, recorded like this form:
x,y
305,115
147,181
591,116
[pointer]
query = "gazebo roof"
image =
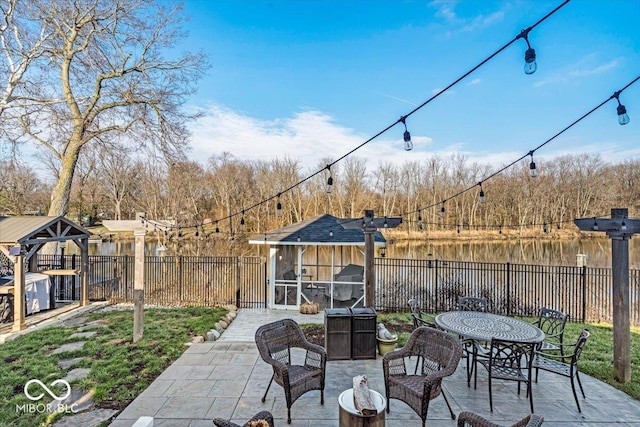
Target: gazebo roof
x,y
316,231
29,230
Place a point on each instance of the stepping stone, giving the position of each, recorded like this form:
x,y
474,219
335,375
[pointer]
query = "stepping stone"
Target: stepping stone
x,y
72,346
77,374
78,401
88,419
74,321
83,334
67,363
93,325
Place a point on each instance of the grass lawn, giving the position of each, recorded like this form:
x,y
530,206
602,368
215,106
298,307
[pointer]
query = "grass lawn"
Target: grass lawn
x,y
120,370
596,360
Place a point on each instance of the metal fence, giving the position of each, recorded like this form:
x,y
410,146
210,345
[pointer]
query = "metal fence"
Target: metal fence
x,y
511,289
169,280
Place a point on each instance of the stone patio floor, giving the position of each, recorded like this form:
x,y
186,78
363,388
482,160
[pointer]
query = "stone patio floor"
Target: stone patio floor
x,y
227,379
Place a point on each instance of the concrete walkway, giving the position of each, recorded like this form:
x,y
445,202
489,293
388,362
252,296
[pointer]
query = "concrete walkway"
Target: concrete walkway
x,y
227,378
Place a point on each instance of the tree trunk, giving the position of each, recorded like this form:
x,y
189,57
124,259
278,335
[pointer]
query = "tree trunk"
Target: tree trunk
x,y
62,189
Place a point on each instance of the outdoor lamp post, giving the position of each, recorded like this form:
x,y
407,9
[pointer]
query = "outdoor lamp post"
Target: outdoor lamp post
x,y
620,229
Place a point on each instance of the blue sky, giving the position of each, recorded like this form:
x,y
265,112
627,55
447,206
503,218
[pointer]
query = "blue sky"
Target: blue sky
x,y
311,80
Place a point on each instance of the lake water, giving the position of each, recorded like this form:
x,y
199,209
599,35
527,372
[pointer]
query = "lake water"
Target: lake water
x,y
531,251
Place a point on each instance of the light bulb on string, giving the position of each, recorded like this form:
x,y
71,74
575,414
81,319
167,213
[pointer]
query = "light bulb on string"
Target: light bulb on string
x,y
243,225
420,220
385,224
481,194
623,117
595,225
623,226
443,211
545,228
408,145
279,207
530,64
330,232
533,172
329,180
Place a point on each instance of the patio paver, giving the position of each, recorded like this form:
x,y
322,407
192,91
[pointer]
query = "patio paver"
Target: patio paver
x,y
227,378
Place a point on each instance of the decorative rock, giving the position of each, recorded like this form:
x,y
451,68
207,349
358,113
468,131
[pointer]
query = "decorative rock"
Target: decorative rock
x,y
73,346
67,363
228,318
77,401
232,314
218,327
83,334
197,339
77,373
213,335
91,418
223,324
93,325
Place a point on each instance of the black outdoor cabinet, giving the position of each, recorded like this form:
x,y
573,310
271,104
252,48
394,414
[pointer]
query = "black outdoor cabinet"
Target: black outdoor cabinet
x,y
363,333
337,333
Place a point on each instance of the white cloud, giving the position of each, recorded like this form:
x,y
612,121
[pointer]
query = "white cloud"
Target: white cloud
x,y
587,66
481,22
437,90
445,9
308,136
474,82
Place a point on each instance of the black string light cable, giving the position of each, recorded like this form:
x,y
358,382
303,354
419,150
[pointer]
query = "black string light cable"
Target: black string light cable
x,y
531,152
524,33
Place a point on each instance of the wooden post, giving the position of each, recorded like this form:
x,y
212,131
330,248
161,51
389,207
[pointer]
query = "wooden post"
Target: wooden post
x,y
84,272
138,286
620,228
19,307
369,260
621,321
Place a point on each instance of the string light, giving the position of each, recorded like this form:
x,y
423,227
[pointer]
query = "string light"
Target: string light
x,y
623,117
545,228
481,194
443,211
408,145
330,232
532,167
595,225
623,226
530,64
279,207
243,226
329,180
385,224
420,220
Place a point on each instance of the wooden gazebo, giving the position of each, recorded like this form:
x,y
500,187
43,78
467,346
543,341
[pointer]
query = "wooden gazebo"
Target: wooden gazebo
x,y
316,260
21,237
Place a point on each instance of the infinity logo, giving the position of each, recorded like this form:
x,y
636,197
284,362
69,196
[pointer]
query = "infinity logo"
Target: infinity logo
x,y
47,389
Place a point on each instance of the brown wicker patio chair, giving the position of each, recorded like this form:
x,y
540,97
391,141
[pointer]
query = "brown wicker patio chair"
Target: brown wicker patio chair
x,y
552,323
511,361
275,341
555,363
440,353
264,416
474,420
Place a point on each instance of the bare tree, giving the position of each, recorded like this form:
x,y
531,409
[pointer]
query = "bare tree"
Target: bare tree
x,y
105,62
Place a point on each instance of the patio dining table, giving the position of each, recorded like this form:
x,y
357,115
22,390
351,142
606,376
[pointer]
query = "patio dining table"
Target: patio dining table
x,y
483,326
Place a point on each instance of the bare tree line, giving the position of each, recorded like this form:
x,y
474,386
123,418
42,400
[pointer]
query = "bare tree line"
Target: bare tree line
x,y
112,184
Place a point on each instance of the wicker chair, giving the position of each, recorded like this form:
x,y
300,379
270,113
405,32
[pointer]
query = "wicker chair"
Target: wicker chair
x,y
511,361
264,416
555,363
440,353
474,420
552,323
275,341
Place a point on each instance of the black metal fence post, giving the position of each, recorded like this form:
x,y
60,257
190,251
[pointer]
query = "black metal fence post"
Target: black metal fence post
x,y
584,292
508,289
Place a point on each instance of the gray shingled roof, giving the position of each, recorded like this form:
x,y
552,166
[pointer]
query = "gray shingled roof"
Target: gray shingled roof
x,y
21,229
315,231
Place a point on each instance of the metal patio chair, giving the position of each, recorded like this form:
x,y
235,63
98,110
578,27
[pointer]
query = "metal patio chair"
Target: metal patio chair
x,y
473,350
552,323
511,361
555,363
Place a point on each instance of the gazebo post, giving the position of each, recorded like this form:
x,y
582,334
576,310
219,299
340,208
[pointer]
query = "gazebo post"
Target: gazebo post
x,y
138,285
620,229
19,323
369,229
